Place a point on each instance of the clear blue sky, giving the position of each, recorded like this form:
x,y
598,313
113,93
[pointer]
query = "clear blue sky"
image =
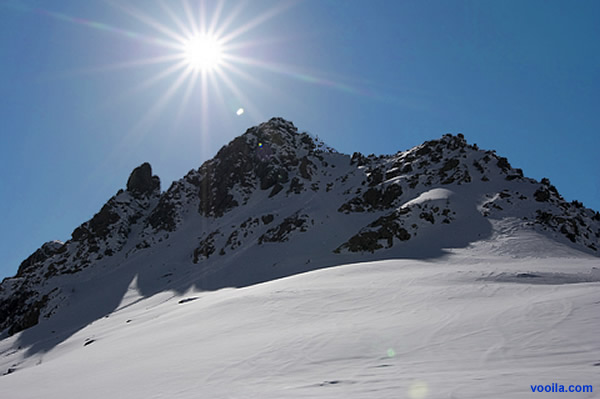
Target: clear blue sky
x,y
82,104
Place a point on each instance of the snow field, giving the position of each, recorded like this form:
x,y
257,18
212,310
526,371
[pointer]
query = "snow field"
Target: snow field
x,y
453,328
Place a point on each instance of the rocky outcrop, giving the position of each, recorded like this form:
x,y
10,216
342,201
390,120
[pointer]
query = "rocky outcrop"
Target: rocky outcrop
x,y
267,157
373,199
282,232
23,299
141,182
40,255
273,187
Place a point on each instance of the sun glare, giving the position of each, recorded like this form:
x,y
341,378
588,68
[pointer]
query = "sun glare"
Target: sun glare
x,y
203,41
203,52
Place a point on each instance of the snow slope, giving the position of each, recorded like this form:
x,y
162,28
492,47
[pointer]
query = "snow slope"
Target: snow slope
x,y
473,324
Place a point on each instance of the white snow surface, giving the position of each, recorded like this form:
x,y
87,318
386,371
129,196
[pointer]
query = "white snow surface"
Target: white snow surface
x,y
479,322
435,194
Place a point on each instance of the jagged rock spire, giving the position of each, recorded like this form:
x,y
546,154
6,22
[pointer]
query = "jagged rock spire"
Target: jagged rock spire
x,y
142,182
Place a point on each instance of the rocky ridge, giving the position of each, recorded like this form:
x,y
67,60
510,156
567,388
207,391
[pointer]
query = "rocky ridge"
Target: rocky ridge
x,y
285,200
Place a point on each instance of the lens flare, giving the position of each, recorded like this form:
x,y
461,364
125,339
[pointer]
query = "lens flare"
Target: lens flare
x,y
418,390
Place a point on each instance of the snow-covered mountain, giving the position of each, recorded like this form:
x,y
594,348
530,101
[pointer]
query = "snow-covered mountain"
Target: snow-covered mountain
x,y
274,203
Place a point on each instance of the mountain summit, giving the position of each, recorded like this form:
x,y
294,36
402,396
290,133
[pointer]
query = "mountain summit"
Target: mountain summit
x,y
275,202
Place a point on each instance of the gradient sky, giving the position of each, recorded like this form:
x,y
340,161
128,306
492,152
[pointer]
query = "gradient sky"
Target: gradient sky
x,y
82,104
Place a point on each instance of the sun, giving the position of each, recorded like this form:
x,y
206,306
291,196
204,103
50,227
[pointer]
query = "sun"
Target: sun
x,y
203,52
206,53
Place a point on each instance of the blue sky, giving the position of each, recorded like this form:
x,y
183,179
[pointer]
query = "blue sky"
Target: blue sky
x,y
82,104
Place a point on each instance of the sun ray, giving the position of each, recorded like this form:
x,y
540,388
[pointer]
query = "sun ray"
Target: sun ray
x,y
252,80
162,75
256,21
202,39
199,89
136,133
159,105
137,14
248,105
237,45
125,65
272,91
215,18
190,18
229,20
191,85
128,93
288,70
219,93
94,25
70,73
182,27
202,16
205,115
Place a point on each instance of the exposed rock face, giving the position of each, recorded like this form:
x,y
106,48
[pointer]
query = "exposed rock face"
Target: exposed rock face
x,y
274,190
24,299
141,181
281,233
268,157
46,251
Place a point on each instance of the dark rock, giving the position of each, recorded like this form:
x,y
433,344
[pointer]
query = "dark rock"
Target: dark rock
x,y
527,275
368,241
282,231
375,177
163,216
358,159
141,181
186,300
373,199
20,313
386,228
266,219
423,150
276,189
542,195
449,165
206,247
47,250
305,170
503,164
427,216
101,221
390,174
295,186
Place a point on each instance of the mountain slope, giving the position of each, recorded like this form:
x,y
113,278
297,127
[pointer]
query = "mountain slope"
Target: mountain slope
x,y
273,203
470,325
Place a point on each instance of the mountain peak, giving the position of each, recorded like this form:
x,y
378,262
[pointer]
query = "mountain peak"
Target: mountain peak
x,y
277,137
275,201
